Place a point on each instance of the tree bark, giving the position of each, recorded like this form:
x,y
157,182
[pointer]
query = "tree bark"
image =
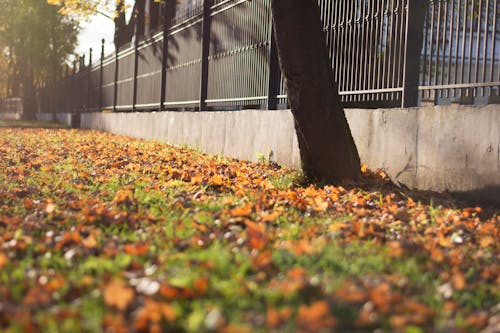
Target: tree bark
x,y
124,31
327,149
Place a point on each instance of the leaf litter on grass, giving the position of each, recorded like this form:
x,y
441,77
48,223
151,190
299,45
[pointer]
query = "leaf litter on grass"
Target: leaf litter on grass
x,y
100,232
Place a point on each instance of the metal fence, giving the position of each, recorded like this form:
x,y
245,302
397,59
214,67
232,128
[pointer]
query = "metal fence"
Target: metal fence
x,y
219,54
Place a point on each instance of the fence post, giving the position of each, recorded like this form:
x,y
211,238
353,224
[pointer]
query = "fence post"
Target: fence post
x,y
115,86
89,81
136,65
415,17
205,50
101,75
168,13
274,74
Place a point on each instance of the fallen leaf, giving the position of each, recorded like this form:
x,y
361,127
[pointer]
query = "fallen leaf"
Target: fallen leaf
x,y
3,260
117,294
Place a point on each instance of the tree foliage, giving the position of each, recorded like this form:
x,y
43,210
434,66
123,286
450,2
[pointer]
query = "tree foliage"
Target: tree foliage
x,y
35,41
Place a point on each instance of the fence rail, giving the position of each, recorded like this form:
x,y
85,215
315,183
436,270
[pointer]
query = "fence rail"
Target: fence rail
x,y
220,54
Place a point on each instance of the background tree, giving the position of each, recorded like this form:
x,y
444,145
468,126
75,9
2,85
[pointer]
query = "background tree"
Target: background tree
x,y
35,42
112,9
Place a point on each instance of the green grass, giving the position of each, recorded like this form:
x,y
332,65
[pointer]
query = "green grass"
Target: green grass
x,y
30,124
80,209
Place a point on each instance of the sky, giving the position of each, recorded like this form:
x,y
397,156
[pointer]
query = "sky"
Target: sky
x,y
91,33
90,36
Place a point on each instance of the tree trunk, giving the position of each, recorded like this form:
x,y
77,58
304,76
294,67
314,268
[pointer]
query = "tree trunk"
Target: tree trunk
x,y
327,149
124,31
29,105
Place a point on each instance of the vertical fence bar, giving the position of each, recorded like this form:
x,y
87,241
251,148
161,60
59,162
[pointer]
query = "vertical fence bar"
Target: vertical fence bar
x,y
478,45
274,74
485,44
136,66
205,49
450,92
115,86
415,16
168,12
89,81
493,45
471,40
101,74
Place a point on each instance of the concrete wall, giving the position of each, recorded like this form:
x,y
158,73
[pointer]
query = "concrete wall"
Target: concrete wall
x,y
10,116
64,118
446,148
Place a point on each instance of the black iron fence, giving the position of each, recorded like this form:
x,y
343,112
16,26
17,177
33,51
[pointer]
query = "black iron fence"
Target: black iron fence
x,y
219,54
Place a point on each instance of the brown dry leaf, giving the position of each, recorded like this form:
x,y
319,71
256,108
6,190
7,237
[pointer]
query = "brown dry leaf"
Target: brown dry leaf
x,y
117,294
28,203
37,295
114,323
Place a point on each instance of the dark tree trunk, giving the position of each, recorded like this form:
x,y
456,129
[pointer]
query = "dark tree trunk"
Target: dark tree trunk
x,y
29,105
124,31
327,149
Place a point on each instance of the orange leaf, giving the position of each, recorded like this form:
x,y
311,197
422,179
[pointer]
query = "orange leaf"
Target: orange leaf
x,y
136,249
256,235
170,292
245,210
315,317
217,180
117,294
486,241
90,242
276,318
269,217
320,204
201,286
3,260
123,196
395,249
458,281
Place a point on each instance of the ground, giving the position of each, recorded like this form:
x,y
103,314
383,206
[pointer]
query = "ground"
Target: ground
x,y
100,232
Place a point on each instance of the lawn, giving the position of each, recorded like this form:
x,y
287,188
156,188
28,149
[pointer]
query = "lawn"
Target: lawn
x,y
30,124
100,232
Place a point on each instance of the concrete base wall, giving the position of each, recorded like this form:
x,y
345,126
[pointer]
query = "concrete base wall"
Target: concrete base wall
x,y
446,148
10,116
64,118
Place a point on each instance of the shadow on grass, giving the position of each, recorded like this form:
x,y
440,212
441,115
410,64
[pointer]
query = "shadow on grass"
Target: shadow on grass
x,y
30,124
